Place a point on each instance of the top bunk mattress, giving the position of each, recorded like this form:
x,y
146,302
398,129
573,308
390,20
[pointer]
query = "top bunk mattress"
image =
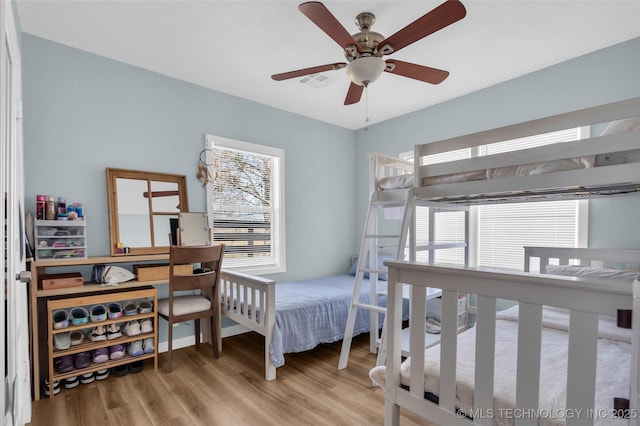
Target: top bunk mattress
x,y
606,164
530,169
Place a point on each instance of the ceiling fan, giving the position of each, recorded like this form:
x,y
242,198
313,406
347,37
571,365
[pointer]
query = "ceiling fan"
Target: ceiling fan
x,y
364,50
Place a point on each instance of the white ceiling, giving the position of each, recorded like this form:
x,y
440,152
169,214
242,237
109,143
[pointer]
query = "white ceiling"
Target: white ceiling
x,y
235,46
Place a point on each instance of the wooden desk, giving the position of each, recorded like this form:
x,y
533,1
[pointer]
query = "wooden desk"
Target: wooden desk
x,y
38,299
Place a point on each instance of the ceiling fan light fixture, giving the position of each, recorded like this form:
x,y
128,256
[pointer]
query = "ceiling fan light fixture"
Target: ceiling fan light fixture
x,y
365,70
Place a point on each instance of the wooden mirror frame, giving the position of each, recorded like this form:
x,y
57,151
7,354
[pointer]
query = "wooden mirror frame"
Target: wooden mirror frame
x,y
113,175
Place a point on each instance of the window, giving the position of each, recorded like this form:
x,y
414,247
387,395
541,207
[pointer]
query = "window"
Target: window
x,y
499,231
245,199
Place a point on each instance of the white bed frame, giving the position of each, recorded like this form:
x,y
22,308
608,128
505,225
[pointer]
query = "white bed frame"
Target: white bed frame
x,y
585,298
601,181
260,296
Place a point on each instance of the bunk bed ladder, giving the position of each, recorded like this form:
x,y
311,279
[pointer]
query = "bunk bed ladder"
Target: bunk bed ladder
x,y
374,245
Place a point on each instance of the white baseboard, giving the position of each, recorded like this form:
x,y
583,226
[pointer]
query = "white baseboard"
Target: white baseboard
x,y
234,330
183,342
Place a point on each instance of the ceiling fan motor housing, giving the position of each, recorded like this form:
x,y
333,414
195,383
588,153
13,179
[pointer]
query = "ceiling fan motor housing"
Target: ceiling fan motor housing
x,y
367,40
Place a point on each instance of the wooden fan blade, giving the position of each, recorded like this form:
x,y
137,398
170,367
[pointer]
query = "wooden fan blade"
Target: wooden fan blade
x,y
445,14
308,71
354,94
417,72
328,23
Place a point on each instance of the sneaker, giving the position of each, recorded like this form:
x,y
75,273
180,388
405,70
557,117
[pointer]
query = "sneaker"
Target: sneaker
x,y
79,316
87,378
63,364
98,333
120,370
60,319
113,331
433,325
115,310
136,367
71,382
76,337
98,313
146,326
102,374
47,389
100,355
135,348
130,308
132,328
145,306
147,345
62,341
116,352
82,360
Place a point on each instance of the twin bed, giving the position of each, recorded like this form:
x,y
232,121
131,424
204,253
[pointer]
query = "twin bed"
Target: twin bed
x,y
294,316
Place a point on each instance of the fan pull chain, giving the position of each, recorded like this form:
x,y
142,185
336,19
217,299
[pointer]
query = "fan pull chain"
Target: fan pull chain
x,y
366,104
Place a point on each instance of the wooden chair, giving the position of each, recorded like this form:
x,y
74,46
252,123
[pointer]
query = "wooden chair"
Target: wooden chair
x,y
180,308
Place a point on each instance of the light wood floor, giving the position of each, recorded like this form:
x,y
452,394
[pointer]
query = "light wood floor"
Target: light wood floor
x,y
309,390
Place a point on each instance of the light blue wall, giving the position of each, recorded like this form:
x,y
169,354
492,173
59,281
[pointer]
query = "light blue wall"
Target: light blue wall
x,y
84,112
604,76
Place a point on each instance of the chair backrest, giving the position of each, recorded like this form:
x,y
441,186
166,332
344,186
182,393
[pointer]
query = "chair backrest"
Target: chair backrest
x,y
210,259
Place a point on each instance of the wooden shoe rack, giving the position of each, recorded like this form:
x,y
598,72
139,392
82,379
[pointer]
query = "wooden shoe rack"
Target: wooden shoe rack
x,y
147,292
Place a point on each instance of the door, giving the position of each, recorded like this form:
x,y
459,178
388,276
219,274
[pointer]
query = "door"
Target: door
x,y
14,327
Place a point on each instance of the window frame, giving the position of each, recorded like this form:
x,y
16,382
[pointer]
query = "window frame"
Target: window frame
x,y
278,235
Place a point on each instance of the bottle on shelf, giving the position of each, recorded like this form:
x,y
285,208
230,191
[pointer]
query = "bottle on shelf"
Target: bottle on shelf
x,y
50,213
41,208
62,206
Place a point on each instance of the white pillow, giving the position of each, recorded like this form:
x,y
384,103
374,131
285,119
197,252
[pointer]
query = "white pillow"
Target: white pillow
x,y
621,126
586,271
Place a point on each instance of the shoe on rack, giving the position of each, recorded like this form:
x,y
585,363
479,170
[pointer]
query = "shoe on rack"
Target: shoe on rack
x,y
120,370
116,351
135,348
113,331
100,355
136,366
60,319
87,378
132,328
146,326
76,337
98,333
147,345
102,374
130,308
98,313
47,389
64,364
145,306
82,360
71,382
433,325
62,341
115,310
79,316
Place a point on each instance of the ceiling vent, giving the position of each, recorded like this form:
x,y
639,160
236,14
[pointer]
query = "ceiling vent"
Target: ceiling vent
x,y
317,80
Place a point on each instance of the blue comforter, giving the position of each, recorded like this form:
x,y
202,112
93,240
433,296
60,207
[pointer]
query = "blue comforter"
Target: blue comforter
x,y
315,311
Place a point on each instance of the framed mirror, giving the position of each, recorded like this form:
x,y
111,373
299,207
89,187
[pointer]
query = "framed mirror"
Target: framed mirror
x,y
141,206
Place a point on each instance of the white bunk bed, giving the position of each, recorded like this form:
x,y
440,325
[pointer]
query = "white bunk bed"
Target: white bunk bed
x,y
600,166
